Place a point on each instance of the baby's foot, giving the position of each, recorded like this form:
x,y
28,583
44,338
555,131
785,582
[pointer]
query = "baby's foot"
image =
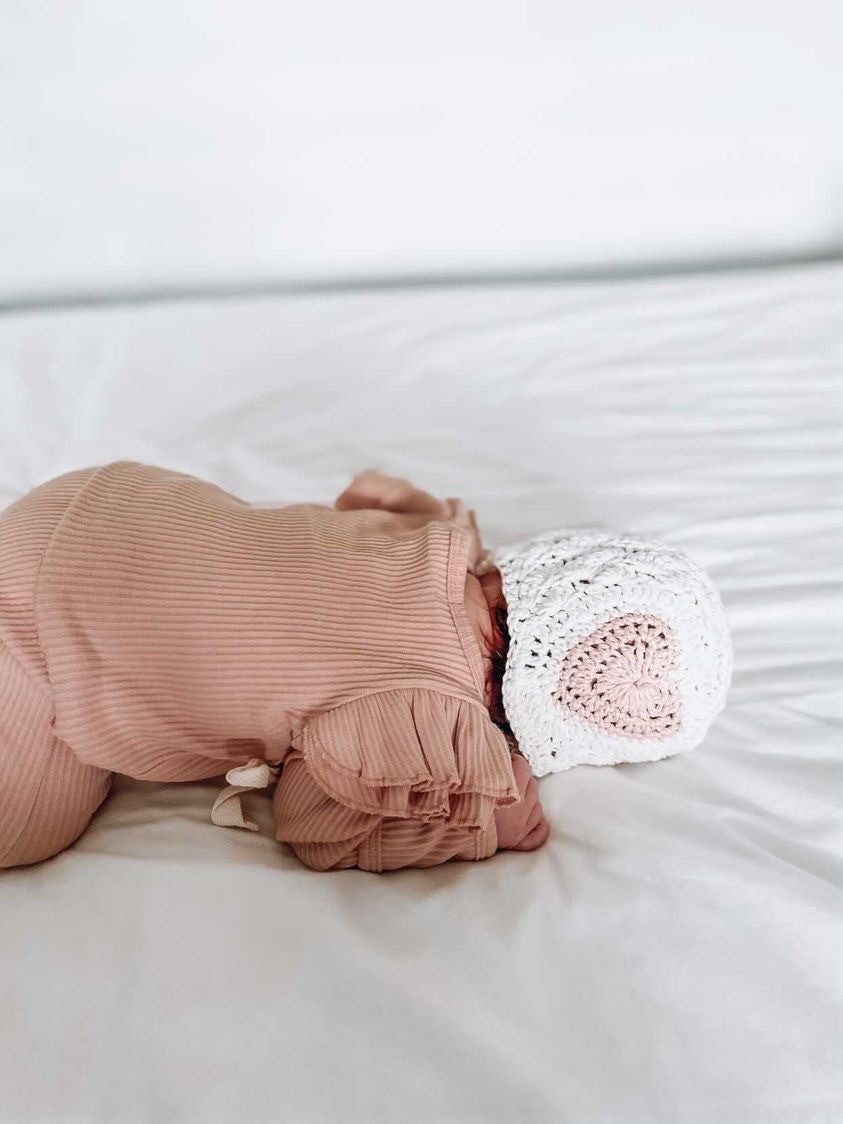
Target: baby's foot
x,y
373,489
522,826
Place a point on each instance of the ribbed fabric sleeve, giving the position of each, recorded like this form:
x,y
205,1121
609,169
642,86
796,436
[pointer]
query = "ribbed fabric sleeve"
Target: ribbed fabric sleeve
x,y
397,778
329,835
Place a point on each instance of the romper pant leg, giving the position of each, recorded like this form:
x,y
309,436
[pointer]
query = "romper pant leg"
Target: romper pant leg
x,y
326,835
47,796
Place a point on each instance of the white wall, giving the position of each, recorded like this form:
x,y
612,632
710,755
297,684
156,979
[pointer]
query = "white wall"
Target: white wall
x,y
159,142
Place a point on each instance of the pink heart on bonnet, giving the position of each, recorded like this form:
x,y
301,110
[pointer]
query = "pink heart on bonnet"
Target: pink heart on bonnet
x,y
621,678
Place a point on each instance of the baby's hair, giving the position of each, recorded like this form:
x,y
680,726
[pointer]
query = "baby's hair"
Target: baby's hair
x,y
500,646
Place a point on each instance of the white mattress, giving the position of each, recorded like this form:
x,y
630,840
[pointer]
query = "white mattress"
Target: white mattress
x,y
672,956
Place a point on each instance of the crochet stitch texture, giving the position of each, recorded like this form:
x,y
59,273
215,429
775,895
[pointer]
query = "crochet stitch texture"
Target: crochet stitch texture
x,y
619,649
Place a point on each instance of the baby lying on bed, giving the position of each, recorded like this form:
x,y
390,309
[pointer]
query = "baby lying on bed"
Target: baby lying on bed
x,y
154,625
373,654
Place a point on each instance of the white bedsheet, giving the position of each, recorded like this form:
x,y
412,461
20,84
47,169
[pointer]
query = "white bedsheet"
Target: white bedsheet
x,y
673,955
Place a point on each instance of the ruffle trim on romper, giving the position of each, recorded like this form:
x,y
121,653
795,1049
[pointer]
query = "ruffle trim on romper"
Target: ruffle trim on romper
x,y
411,753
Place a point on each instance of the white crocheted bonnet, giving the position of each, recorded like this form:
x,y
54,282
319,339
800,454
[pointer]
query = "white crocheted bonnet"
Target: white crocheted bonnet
x,y
619,649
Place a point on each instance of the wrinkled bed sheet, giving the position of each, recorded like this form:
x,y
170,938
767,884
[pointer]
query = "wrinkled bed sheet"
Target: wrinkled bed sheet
x,y
673,955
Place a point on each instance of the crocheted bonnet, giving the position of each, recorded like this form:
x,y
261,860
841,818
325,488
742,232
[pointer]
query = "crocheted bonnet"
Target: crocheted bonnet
x,y
619,649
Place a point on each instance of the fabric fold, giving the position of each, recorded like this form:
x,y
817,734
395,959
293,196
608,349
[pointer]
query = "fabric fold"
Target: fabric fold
x,y
411,753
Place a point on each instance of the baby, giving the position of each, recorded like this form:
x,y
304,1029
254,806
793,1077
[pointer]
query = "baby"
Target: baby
x,y
154,625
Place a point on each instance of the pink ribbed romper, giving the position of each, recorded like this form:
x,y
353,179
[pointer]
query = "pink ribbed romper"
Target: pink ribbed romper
x,y
154,625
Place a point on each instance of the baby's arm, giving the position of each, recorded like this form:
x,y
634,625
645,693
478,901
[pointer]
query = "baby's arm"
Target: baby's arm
x,y
327,835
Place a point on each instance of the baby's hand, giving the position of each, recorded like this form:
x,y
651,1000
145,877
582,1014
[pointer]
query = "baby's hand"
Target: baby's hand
x,y
522,826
